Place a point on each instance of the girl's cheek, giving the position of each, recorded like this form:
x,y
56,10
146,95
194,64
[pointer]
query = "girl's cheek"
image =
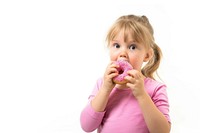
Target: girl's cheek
x,y
113,58
113,55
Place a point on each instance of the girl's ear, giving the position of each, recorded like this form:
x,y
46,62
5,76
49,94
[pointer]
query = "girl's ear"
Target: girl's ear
x,y
149,55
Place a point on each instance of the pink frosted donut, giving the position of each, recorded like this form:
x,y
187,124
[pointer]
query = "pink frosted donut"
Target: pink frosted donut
x,y
124,66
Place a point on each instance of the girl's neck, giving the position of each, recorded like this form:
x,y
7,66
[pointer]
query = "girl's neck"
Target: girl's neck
x,y
118,86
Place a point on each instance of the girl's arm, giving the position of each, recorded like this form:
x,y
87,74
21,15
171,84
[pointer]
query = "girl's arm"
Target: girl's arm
x,y
100,100
155,120
90,119
92,115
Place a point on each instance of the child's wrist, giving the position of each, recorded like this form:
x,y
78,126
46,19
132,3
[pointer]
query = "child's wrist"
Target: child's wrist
x,y
105,89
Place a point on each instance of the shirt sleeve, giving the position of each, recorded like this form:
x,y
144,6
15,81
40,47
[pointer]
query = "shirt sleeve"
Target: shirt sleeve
x,y
90,119
160,99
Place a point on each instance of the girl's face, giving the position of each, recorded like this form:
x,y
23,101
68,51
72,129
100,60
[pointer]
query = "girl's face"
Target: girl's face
x,y
130,51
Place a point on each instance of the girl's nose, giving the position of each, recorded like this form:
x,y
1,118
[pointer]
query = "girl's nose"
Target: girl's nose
x,y
123,54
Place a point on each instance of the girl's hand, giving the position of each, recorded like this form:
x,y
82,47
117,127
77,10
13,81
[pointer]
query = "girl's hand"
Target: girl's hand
x,y
136,83
110,73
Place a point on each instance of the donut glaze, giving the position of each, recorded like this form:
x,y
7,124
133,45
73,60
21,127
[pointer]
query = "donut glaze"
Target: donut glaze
x,y
124,66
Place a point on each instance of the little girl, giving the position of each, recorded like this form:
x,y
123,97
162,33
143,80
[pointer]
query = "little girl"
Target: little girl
x,y
139,106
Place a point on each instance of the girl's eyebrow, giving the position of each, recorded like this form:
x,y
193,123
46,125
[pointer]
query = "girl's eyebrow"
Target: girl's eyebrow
x,y
128,42
115,41
132,41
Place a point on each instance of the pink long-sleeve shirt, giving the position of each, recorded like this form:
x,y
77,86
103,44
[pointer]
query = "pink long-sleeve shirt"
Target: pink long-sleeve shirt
x,y
122,113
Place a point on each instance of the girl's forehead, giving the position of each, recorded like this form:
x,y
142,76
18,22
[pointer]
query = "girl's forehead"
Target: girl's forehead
x,y
126,36
121,36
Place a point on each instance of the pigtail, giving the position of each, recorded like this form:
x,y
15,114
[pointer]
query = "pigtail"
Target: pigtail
x,y
150,68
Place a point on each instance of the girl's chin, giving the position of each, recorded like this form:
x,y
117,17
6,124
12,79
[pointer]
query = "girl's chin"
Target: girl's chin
x,y
121,86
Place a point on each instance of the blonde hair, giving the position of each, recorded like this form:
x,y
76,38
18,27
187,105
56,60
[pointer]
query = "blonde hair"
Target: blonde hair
x,y
142,32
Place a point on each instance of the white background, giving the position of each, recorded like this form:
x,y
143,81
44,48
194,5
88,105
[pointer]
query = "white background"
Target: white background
x,y
53,51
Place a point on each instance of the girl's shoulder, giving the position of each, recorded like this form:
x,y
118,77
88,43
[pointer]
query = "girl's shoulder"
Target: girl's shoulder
x,y
153,82
154,87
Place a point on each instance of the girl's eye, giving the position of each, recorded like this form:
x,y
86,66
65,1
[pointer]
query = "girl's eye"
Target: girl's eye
x,y
132,47
116,45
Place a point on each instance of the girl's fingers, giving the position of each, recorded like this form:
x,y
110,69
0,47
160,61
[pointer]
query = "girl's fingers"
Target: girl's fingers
x,y
114,66
130,79
112,70
135,74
